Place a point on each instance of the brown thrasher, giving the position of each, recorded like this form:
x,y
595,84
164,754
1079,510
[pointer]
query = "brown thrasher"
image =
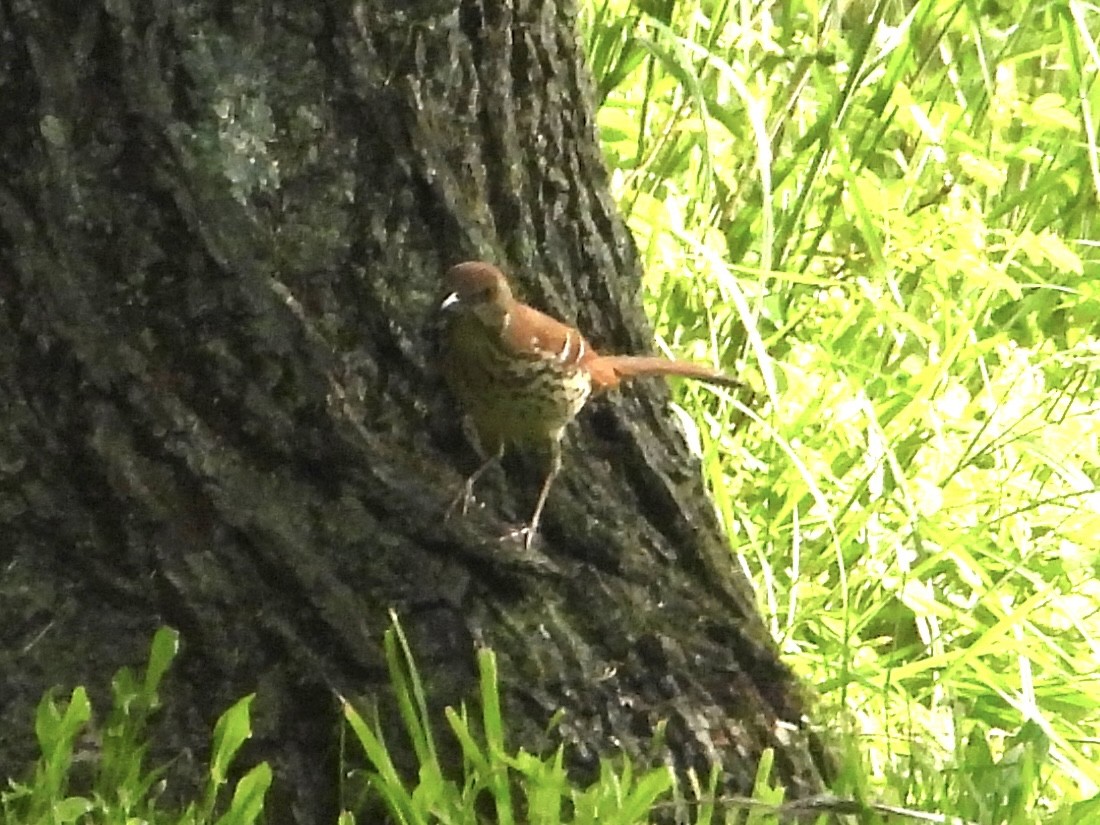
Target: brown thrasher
x,y
523,376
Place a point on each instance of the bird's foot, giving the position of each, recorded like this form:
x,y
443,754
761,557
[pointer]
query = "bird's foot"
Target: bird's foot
x,y
526,534
466,494
460,502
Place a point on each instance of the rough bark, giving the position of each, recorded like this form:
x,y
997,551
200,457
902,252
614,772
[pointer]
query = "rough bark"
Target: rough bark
x,y
222,228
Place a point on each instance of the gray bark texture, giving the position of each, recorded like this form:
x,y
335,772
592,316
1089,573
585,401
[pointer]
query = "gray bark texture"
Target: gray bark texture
x,y
222,232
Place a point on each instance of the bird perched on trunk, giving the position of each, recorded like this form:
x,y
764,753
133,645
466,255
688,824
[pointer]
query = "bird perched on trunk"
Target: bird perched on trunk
x,y
522,376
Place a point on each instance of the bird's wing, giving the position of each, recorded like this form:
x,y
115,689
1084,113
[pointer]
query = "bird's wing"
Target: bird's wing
x,y
533,334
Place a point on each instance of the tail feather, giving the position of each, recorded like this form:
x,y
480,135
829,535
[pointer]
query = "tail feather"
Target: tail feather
x,y
608,371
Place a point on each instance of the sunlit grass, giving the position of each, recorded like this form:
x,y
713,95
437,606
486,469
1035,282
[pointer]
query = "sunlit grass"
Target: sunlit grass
x,y
885,221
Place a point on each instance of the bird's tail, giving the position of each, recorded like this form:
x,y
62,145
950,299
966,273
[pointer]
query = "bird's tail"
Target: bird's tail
x,y
608,371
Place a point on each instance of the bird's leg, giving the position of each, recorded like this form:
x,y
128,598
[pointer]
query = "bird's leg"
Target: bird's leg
x,y
466,494
555,467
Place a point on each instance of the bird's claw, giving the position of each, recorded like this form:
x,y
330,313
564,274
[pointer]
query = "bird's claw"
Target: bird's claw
x,y
461,501
525,533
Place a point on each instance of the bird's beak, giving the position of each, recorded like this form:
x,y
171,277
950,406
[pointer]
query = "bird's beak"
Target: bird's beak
x,y
449,303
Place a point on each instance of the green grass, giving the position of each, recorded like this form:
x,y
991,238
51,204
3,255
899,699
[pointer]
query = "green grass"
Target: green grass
x,y
95,770
885,220
494,783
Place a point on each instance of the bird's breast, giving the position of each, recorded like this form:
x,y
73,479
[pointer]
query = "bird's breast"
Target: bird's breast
x,y
526,397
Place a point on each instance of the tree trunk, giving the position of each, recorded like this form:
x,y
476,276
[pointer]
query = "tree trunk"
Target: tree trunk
x,y
222,230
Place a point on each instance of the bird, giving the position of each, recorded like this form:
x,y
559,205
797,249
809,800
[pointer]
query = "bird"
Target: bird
x,y
523,376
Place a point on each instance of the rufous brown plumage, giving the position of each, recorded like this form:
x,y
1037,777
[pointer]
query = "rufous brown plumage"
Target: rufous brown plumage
x,y
522,376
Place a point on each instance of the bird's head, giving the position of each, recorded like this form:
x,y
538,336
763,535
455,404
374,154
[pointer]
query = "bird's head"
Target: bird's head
x,y
479,290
